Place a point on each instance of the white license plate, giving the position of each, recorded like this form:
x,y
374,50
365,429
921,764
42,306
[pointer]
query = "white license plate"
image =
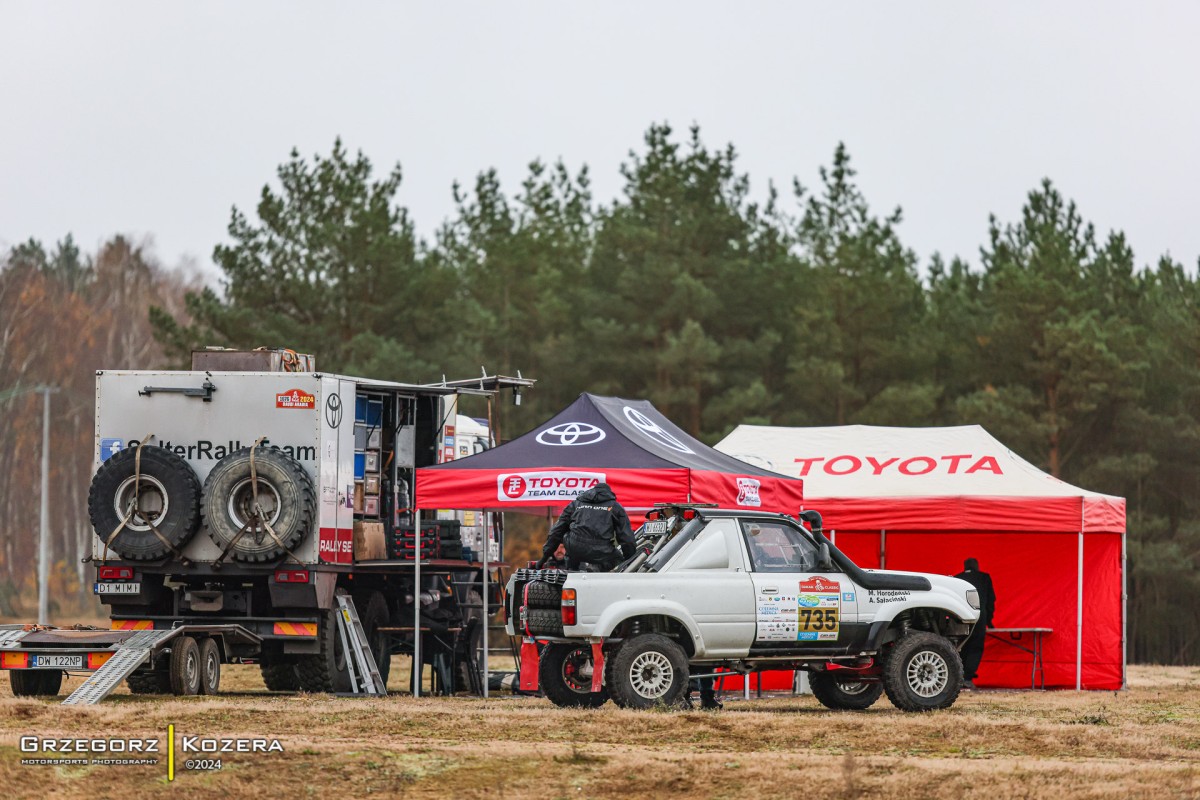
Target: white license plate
x,y
657,526
118,588
62,662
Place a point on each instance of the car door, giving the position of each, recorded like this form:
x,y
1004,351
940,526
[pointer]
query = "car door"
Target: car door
x,y
798,608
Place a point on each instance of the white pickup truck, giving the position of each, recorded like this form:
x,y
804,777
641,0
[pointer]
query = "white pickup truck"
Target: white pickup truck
x,y
713,589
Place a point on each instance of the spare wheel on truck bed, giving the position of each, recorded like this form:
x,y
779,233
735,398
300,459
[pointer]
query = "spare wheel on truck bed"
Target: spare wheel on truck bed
x,y
261,517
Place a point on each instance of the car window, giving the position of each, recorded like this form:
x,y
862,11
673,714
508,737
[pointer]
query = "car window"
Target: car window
x,y
775,547
709,550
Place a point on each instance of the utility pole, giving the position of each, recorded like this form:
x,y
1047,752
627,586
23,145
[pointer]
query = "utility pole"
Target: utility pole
x,y
44,538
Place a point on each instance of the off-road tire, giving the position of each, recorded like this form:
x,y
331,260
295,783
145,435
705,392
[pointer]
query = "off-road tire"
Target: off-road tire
x,y
286,494
373,612
544,595
280,677
186,670
555,678
544,621
327,670
210,667
167,481
922,672
35,682
157,682
661,669
843,695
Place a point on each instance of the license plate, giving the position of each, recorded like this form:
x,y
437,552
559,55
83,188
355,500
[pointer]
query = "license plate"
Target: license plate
x,y
657,526
61,662
118,588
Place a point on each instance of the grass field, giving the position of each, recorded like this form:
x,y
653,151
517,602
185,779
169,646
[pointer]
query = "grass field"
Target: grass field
x,y
1144,742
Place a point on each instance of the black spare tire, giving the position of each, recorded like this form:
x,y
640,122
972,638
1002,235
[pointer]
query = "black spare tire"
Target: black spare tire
x,y
286,498
163,493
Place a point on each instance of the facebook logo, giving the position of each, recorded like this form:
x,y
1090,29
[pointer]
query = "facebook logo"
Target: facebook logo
x,y
109,447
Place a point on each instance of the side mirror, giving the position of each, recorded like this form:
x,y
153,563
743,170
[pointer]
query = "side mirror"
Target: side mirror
x,y
824,561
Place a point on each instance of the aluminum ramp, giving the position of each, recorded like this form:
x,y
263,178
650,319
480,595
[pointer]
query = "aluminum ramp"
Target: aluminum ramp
x,y
364,674
130,654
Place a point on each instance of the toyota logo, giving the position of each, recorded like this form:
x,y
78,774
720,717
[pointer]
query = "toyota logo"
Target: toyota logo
x,y
569,434
333,410
655,431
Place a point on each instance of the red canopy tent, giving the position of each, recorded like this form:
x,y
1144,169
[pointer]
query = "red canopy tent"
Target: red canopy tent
x,y
923,499
628,444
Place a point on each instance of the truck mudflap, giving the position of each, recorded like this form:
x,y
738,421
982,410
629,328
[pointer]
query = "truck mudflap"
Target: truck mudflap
x,y
529,665
597,666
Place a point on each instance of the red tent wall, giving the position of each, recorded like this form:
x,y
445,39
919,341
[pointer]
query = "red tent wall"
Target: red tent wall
x,y
1036,576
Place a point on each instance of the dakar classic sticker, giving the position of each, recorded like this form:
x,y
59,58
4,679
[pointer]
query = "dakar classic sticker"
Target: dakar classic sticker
x,y
819,602
517,487
295,398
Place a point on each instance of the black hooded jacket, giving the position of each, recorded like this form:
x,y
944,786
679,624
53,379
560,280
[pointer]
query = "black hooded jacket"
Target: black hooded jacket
x,y
594,527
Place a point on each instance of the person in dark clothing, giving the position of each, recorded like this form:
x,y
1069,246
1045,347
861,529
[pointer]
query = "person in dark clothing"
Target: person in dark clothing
x,y
594,529
972,651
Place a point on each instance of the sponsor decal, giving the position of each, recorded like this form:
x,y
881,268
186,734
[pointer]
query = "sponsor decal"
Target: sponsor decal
x,y
820,610
748,492
819,584
809,601
333,409
110,447
848,597
571,434
655,432
917,465
295,398
516,487
204,450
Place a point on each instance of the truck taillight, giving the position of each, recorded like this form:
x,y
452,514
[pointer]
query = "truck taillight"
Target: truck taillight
x,y
14,660
115,573
568,607
291,576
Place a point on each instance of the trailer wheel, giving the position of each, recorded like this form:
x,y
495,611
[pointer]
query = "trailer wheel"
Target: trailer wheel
x,y
166,495
565,675
544,595
843,695
286,498
186,669
649,670
156,682
280,677
325,671
374,615
210,667
35,682
922,672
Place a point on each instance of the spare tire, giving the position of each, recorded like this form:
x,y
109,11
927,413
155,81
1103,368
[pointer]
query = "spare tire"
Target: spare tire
x,y
166,492
285,495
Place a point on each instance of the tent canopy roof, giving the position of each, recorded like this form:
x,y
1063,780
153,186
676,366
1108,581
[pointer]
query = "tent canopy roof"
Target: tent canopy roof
x,y
606,432
865,465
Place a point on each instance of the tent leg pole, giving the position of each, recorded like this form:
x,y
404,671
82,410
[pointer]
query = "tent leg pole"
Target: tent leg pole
x,y
487,547
417,670
1079,621
1124,616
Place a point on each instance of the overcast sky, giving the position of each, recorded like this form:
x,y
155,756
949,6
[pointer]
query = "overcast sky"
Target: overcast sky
x,y
153,119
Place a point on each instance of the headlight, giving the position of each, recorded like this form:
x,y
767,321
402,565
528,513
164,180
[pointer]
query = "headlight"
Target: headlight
x,y
973,598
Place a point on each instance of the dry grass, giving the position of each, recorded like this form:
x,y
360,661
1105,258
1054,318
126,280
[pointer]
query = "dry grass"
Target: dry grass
x,y
1144,742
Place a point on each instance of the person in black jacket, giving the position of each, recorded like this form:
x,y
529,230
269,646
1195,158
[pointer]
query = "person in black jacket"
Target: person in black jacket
x,y
972,651
594,528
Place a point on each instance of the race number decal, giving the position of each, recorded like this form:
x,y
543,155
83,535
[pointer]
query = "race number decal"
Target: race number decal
x,y
819,602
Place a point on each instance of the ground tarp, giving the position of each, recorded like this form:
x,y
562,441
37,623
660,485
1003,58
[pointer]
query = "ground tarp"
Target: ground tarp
x,y
924,499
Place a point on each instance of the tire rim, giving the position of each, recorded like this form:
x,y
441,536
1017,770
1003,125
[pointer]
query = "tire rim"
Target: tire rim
x,y
577,671
928,673
651,674
191,668
241,502
147,499
211,665
852,688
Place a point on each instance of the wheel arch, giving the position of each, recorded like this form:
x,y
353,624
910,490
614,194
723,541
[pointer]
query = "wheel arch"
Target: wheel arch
x,y
670,621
